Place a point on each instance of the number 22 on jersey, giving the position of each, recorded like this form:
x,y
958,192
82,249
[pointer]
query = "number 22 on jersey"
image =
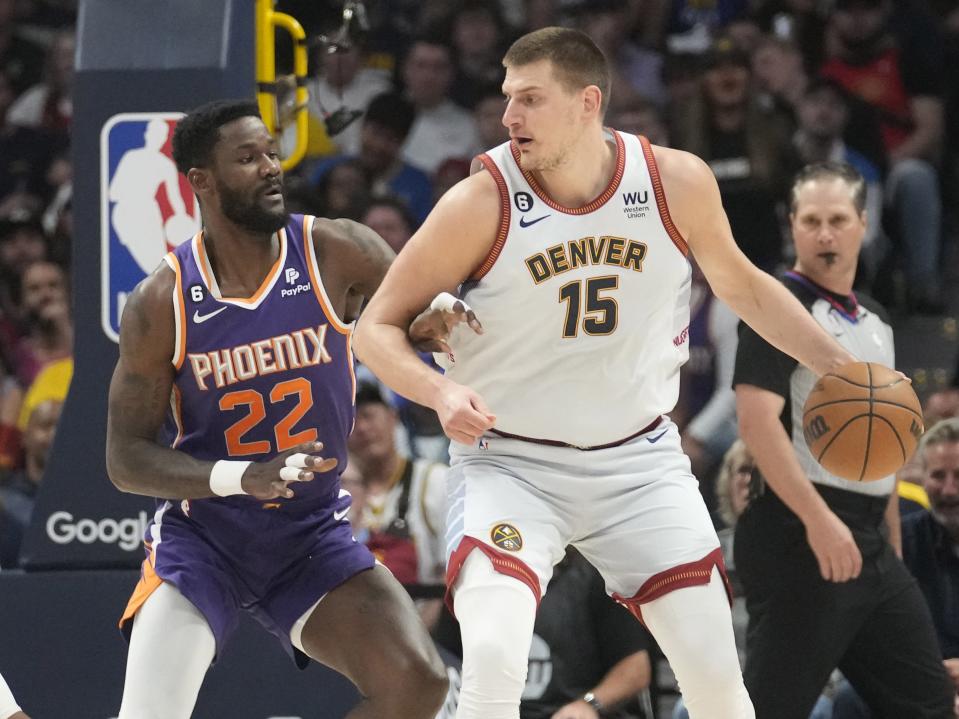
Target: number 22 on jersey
x,y
283,434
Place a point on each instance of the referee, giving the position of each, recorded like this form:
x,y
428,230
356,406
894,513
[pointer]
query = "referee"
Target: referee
x,y
817,555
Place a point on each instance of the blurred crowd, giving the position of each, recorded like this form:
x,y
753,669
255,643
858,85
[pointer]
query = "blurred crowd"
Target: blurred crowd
x,y
757,88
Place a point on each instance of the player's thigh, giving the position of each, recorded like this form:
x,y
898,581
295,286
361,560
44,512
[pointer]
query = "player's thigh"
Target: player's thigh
x,y
645,532
894,660
510,513
369,630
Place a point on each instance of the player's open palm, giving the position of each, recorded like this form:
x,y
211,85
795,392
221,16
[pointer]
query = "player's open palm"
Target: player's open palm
x,y
267,480
836,551
430,331
463,414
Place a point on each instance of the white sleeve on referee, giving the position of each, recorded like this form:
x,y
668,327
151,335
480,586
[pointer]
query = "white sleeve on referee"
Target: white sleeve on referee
x,y
721,407
8,705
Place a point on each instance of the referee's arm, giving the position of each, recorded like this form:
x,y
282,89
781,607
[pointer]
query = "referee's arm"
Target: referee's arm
x,y
760,427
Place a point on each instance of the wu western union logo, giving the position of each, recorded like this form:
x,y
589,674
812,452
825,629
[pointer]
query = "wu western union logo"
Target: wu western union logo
x,y
613,251
506,536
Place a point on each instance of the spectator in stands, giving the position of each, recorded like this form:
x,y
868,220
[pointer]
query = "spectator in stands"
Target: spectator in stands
x,y
589,658
634,69
823,114
746,147
405,498
706,410
639,116
343,81
47,321
18,491
386,125
941,405
488,115
451,171
390,219
22,243
479,36
49,105
20,59
442,128
903,83
930,550
802,22
341,189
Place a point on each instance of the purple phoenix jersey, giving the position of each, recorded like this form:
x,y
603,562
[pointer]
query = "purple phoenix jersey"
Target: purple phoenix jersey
x,y
258,376
255,377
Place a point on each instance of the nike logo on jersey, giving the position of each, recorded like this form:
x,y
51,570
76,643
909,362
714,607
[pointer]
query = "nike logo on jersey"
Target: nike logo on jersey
x,y
340,516
200,319
653,440
524,223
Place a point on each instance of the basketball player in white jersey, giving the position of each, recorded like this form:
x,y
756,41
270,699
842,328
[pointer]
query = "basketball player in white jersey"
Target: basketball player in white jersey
x,y
571,247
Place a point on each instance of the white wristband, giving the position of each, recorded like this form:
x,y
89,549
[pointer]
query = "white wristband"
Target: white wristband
x,y
445,301
225,477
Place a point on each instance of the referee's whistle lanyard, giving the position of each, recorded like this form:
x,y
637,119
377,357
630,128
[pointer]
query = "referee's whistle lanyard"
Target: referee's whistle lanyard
x,y
823,293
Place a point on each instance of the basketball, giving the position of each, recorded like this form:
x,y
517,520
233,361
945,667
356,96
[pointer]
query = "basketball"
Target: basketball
x,y
862,422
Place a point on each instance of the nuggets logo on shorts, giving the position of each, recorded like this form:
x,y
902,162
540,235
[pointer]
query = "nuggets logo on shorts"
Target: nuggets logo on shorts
x,y
146,207
506,536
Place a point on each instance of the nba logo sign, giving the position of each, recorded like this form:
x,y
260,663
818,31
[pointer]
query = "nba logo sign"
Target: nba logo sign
x,y
146,207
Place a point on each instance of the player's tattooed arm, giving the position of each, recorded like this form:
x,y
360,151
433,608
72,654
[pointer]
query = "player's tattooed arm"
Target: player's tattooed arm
x,y
367,256
140,395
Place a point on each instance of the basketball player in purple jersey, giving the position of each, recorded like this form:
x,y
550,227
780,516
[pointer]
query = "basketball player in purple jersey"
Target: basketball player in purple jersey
x,y
232,402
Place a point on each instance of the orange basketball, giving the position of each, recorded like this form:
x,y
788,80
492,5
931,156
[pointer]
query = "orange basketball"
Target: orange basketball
x,y
862,422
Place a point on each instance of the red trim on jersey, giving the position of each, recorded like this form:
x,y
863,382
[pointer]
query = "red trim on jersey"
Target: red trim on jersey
x,y
690,574
598,202
661,198
502,563
504,219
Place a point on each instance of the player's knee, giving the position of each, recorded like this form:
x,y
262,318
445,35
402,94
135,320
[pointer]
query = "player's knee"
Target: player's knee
x,y
416,690
493,660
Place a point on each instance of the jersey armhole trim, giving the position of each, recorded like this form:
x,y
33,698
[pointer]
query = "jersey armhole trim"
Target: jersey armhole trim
x,y
309,254
179,312
664,215
504,218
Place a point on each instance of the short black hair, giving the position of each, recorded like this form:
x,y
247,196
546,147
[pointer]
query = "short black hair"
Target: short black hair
x,y
392,111
833,171
368,392
394,202
196,134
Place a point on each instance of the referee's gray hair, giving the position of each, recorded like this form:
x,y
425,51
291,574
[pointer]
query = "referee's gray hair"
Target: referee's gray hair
x,y
943,431
830,170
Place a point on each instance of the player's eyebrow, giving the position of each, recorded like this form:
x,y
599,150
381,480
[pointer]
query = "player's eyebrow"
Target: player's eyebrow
x,y
253,145
524,88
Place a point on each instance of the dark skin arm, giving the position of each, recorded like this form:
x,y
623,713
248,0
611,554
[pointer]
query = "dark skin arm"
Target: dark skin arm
x,y
139,397
353,260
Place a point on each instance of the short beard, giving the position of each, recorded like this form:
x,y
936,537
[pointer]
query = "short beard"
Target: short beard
x,y
250,216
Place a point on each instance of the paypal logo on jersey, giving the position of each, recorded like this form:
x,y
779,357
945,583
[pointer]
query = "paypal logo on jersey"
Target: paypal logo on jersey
x,y
291,275
146,207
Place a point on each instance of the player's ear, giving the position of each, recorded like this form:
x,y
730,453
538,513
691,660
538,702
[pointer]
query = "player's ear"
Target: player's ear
x,y
200,180
592,100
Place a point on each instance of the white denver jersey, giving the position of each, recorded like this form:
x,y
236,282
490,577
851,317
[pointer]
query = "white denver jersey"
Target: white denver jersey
x,y
585,311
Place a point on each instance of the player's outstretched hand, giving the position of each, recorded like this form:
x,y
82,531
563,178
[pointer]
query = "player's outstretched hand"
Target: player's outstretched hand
x,y
267,480
463,414
836,551
430,331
